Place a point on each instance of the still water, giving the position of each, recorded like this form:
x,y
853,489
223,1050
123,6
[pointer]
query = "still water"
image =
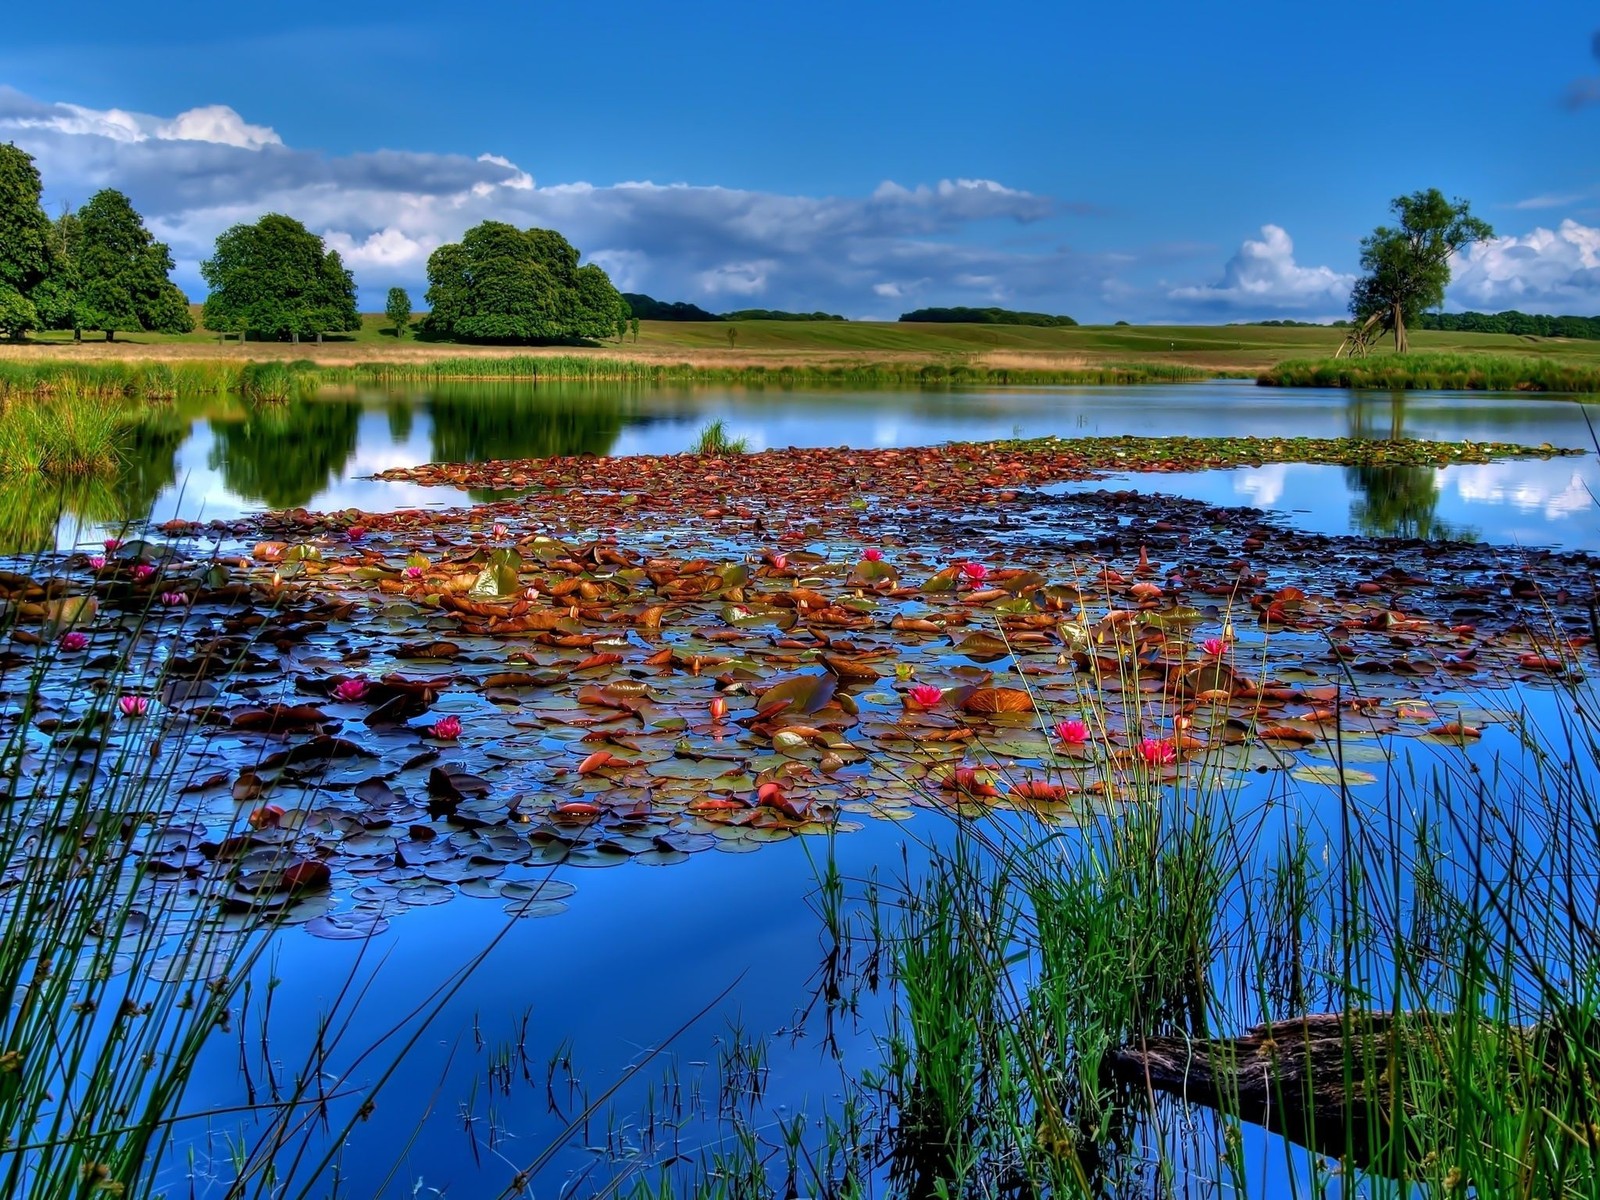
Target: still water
x,y
211,457
731,945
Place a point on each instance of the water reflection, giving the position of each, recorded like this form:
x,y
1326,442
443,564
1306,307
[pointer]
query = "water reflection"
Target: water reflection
x,y
1393,501
282,455
33,508
472,424
323,453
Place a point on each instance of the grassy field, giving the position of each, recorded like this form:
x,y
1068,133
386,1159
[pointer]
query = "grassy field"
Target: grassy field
x,y
1242,350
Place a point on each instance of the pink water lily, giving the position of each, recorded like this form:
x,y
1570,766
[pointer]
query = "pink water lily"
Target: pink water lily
x,y
780,562
143,571
500,531
1156,752
356,532
446,728
73,640
872,554
927,695
413,572
1073,732
975,572
174,599
97,562
133,706
1214,646
111,544
350,689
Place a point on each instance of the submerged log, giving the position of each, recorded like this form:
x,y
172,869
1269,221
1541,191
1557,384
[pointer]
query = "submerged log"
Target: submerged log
x,y
1324,1080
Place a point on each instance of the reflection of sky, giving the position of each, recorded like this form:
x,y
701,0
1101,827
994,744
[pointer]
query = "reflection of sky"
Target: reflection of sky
x,y
1533,502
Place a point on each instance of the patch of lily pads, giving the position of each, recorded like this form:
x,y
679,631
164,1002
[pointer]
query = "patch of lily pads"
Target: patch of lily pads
x,y
362,714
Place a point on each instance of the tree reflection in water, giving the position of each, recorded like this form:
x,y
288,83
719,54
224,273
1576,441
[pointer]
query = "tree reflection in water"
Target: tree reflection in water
x,y
282,455
477,424
1394,501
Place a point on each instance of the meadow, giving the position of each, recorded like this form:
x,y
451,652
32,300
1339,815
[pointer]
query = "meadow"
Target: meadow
x,y
1241,350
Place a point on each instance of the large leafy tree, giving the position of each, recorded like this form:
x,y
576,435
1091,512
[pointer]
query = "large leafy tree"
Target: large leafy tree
x,y
398,310
120,272
504,284
1407,267
277,280
25,258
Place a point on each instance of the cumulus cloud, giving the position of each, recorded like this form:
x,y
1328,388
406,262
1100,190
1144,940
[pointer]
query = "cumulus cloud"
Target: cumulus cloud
x,y
196,173
1547,270
1262,279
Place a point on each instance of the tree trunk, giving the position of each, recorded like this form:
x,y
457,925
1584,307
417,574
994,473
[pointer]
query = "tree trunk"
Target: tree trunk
x,y
294,337
319,337
111,335
77,335
1401,345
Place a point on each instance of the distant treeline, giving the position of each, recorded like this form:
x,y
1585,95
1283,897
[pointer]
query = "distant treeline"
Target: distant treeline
x,y
984,316
1525,324
649,309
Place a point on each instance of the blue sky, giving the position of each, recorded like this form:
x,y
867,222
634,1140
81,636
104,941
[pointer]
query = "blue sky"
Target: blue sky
x,y
1155,161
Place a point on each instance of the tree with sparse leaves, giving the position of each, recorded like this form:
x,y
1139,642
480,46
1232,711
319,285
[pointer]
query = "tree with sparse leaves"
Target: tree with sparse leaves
x,y
1407,267
398,310
276,279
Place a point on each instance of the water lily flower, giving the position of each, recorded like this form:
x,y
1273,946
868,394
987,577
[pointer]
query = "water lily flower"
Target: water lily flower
x,y
500,530
356,532
143,571
413,572
719,708
1156,752
133,706
73,640
780,561
1073,732
350,689
1214,646
97,562
530,593
446,728
927,695
872,554
112,544
975,572
173,599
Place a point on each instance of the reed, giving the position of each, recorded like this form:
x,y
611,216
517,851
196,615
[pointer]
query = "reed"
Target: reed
x,y
60,438
1453,372
714,440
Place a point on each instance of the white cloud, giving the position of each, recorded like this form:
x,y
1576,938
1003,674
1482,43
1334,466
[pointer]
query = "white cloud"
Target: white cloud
x,y
1262,278
1547,270
195,174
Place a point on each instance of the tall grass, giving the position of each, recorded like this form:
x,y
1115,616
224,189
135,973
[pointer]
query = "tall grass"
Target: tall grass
x,y
714,440
1471,372
61,438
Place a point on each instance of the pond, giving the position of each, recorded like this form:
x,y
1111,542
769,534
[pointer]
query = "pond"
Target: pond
x,y
215,458
671,1007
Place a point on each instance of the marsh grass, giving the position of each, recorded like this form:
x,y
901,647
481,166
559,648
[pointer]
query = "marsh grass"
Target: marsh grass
x,y
714,440
62,438
1454,372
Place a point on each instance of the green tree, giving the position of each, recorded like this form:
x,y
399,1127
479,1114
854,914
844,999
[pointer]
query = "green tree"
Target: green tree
x,y
398,310
504,284
119,272
276,279
17,314
56,298
25,258
633,325
1408,267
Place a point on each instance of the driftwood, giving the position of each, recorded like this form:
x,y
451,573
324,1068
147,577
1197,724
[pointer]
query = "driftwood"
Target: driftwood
x,y
1322,1080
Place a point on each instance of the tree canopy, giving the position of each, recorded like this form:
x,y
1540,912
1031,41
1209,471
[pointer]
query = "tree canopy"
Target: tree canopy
x,y
986,316
276,279
25,235
111,274
504,284
398,310
1407,267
